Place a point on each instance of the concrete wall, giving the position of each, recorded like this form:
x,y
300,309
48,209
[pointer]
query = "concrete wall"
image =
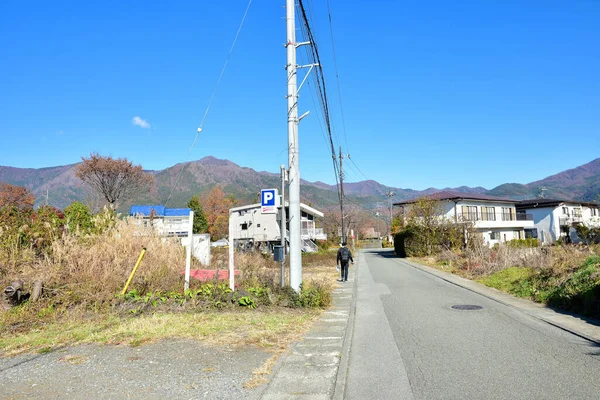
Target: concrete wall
x,y
259,227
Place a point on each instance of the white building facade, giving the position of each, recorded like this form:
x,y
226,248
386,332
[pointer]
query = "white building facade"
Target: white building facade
x,y
495,218
166,221
557,219
250,228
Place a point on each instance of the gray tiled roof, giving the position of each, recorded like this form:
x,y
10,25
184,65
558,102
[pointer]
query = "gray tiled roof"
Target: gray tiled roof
x,y
451,195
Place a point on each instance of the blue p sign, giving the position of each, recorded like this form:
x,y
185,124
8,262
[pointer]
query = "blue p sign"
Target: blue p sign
x,y
268,200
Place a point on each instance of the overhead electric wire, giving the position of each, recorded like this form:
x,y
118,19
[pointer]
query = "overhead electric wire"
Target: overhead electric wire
x,y
319,84
356,166
210,101
337,76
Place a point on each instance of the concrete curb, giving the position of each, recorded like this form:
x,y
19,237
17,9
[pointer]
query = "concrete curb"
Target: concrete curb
x,y
342,374
315,367
577,325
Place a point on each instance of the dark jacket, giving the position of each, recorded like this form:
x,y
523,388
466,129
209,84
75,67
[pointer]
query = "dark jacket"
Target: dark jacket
x,y
339,255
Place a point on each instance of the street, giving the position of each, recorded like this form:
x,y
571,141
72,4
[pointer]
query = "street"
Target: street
x,y
408,342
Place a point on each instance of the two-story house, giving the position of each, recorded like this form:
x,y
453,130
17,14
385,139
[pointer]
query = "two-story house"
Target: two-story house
x,y
250,228
556,219
166,221
496,218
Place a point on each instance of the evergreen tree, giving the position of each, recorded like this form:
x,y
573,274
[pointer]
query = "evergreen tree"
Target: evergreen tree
x,y
200,223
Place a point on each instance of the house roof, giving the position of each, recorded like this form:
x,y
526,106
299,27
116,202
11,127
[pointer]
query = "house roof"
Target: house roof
x,y
160,211
303,207
177,212
545,203
457,196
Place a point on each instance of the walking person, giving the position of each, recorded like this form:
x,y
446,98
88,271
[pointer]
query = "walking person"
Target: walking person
x,y
343,257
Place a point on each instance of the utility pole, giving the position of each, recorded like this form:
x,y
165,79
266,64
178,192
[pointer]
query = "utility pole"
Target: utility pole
x,y
342,193
293,153
46,196
390,194
283,224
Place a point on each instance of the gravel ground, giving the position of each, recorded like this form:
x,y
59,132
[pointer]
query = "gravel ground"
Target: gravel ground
x,y
168,369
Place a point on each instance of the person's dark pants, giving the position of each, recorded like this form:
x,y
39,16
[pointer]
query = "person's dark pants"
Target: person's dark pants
x,y
344,272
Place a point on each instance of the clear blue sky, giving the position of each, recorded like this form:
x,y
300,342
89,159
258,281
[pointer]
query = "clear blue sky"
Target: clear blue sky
x,y
435,93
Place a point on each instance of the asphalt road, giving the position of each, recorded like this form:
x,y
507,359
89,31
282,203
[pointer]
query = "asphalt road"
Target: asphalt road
x,y
408,342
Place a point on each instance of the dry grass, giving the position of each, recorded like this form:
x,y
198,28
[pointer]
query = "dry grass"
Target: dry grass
x,y
82,277
93,269
482,261
271,330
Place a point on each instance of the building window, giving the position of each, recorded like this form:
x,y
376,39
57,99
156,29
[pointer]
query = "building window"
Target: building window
x,y
594,212
488,213
577,212
516,234
494,235
531,233
258,225
508,214
244,226
565,210
469,213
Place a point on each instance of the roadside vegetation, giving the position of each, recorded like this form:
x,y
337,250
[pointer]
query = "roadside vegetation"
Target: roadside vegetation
x,y
83,261
563,276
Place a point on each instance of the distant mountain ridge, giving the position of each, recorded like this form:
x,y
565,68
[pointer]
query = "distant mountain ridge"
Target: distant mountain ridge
x,y
61,186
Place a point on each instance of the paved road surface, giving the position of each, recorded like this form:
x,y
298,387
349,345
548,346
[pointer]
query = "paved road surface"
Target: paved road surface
x,y
408,343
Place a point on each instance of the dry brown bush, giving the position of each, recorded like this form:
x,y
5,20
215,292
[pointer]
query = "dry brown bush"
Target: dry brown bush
x,y
94,269
481,260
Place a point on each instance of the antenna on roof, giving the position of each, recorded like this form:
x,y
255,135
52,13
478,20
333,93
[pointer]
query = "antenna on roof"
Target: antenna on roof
x,y
542,190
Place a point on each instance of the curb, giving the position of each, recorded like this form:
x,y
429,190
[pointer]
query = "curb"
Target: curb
x,y
342,373
317,371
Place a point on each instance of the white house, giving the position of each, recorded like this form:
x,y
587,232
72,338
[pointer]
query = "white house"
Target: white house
x,y
496,218
252,228
556,219
166,221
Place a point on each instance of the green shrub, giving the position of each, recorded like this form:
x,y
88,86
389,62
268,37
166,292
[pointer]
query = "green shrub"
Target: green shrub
x,y
514,280
581,291
314,295
79,218
523,243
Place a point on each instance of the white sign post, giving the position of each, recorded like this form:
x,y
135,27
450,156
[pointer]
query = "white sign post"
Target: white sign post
x,y
269,201
188,254
231,253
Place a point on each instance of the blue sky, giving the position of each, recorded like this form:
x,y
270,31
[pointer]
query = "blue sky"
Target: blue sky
x,y
435,93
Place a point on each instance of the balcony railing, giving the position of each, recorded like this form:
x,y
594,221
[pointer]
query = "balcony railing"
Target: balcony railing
x,y
312,232
473,216
568,220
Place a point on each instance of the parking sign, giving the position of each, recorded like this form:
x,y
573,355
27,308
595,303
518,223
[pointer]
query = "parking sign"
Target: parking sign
x,y
269,201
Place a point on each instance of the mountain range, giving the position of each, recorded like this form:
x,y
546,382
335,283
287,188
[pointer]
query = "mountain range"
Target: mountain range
x,y
59,187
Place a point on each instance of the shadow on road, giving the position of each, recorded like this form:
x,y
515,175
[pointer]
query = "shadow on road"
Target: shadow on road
x,y
384,253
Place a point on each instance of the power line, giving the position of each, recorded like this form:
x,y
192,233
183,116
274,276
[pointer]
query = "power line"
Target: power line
x,y
337,77
359,170
210,101
312,53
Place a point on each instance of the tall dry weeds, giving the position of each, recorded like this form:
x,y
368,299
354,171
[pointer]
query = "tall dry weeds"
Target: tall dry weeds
x,y
481,260
95,268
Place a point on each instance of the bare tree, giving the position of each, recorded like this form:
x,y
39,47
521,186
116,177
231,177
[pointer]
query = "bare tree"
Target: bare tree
x,y
115,179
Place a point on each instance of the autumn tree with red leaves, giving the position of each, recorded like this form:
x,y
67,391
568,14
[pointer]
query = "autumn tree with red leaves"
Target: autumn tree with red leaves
x,y
16,196
116,180
216,210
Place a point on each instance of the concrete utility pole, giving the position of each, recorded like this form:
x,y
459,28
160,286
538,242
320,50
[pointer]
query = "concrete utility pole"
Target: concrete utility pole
x,y
390,194
283,224
342,193
293,154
